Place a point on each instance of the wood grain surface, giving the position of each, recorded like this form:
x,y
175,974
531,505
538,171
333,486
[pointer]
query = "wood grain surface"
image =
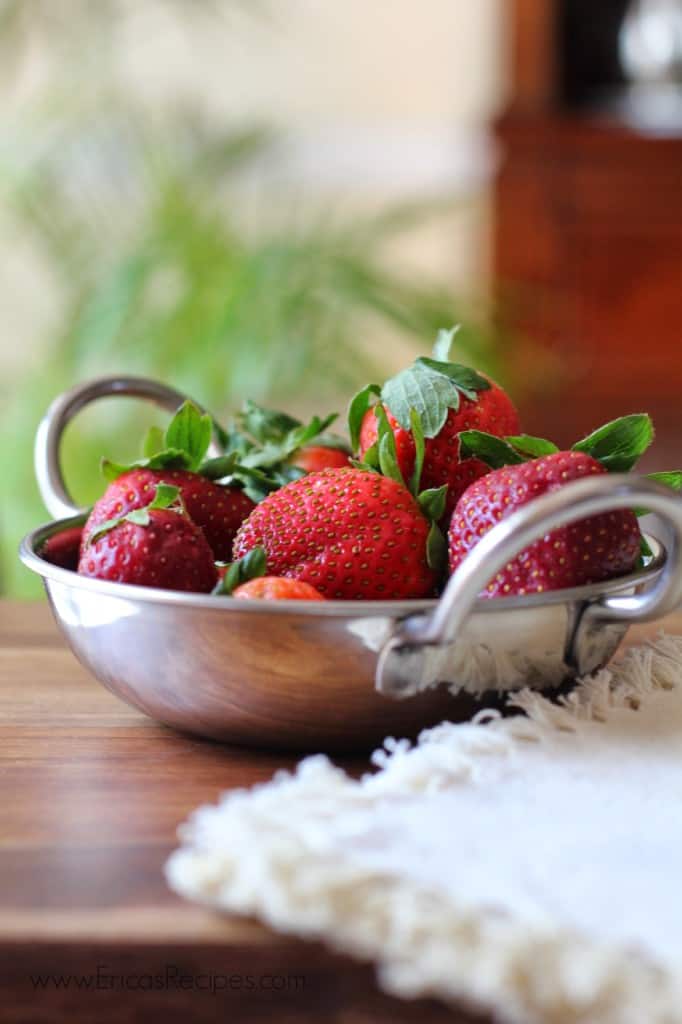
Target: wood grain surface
x,y
91,794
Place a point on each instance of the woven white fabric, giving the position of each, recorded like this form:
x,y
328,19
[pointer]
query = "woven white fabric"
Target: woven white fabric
x,y
527,865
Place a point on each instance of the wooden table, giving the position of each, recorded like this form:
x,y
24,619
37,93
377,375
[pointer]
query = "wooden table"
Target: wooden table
x,y
91,793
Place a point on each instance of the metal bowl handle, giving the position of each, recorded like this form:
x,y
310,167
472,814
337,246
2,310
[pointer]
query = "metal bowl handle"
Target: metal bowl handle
x,y
510,536
47,447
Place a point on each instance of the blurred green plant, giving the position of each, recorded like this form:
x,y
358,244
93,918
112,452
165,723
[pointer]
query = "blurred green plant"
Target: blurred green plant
x,y
139,214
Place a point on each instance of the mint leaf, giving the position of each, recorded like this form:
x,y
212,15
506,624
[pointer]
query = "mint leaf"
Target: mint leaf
x,y
619,444
432,502
419,449
388,456
436,549
443,342
494,451
531,447
190,431
359,405
252,565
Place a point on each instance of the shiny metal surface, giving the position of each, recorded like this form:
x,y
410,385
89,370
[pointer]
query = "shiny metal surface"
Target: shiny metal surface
x,y
302,674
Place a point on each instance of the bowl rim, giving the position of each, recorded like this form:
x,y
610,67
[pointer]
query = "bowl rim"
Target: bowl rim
x,y
33,541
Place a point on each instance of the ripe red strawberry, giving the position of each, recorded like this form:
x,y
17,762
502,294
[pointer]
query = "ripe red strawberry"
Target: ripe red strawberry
x,y
491,411
594,549
62,549
347,532
277,588
218,510
169,552
426,407
317,457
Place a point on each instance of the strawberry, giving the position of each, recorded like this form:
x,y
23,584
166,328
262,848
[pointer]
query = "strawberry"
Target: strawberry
x,y
156,546
62,549
317,457
217,509
349,533
594,549
277,588
440,399
177,457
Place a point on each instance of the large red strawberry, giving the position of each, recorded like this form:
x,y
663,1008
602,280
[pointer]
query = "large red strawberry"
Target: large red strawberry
x,y
217,509
347,532
438,399
152,547
594,549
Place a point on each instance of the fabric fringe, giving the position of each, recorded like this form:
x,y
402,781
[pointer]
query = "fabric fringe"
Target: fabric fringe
x,y
266,853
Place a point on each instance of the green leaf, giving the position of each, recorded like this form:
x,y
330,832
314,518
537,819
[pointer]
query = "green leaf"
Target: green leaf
x,y
432,502
436,549
169,458
154,442
419,449
443,342
359,405
370,460
113,470
431,388
494,451
644,550
388,456
669,478
252,565
190,431
165,496
220,467
266,425
619,444
531,447
468,381
430,394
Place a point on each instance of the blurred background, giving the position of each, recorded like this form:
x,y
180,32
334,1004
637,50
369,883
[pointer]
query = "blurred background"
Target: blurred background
x,y
285,200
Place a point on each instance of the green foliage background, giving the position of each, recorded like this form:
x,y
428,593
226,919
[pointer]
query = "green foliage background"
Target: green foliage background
x,y
137,213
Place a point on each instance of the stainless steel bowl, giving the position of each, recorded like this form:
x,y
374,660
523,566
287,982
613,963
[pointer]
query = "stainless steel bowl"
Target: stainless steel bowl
x,y
306,675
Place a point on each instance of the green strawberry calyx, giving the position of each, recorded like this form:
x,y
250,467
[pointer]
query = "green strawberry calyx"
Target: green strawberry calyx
x,y
382,458
429,389
183,445
260,444
617,445
165,497
252,565
255,451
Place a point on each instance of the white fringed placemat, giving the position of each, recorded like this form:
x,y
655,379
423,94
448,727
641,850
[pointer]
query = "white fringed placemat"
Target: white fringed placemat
x,y
528,865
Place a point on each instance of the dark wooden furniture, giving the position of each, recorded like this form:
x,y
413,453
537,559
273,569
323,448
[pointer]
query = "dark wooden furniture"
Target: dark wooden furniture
x,y
588,249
